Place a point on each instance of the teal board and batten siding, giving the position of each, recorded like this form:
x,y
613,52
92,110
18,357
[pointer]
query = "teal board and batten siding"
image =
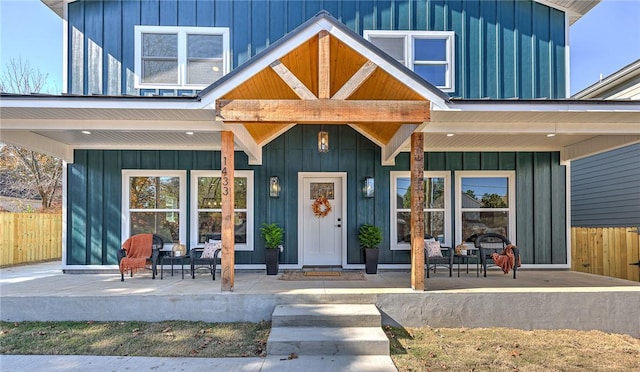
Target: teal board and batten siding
x,y
504,48
95,182
605,189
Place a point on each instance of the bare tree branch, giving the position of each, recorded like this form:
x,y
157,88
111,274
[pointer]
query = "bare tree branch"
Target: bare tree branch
x,y
27,173
19,77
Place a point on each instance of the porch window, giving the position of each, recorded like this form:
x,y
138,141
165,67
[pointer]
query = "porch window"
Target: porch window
x,y
154,202
429,54
207,208
436,208
174,57
486,203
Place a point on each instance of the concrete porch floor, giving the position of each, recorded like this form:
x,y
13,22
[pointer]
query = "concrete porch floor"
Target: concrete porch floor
x,y
537,299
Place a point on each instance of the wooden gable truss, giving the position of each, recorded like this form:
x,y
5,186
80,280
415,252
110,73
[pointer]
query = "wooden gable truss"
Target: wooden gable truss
x,y
324,81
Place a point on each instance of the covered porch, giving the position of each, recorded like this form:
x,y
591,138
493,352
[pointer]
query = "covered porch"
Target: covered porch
x,y
538,299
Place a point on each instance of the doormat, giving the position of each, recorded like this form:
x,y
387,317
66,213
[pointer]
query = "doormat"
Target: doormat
x,y
322,275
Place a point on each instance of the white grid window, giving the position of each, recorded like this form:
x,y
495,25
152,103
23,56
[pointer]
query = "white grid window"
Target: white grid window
x,y
206,207
174,57
437,208
154,202
429,54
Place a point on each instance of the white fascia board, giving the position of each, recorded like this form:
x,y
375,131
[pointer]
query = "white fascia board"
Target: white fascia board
x,y
617,78
582,106
99,103
597,145
111,125
36,142
528,127
513,148
103,146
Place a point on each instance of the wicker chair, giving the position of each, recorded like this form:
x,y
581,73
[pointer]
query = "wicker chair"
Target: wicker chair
x,y
156,249
490,243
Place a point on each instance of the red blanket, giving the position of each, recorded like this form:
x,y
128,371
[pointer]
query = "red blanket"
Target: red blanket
x,y
506,259
138,249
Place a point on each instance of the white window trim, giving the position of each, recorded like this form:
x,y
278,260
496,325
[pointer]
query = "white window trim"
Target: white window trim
x,y
248,174
409,36
127,174
182,33
511,183
394,175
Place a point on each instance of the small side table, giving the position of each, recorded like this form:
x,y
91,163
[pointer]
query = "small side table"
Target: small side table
x,y
472,253
173,259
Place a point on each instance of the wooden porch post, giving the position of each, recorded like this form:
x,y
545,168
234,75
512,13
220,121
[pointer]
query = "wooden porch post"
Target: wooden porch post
x,y
417,211
227,165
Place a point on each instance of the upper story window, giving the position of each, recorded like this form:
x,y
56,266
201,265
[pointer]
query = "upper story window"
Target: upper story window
x,y
430,54
172,57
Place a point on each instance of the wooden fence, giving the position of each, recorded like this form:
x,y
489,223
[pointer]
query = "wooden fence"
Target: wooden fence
x,y
607,251
30,237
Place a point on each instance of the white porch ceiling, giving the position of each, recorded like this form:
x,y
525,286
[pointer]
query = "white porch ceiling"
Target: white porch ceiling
x,y
122,139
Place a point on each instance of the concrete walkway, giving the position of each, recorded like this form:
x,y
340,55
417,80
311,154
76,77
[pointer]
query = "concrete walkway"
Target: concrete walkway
x,y
82,363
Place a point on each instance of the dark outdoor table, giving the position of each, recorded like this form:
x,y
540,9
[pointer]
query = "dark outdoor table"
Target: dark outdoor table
x,y
173,259
472,253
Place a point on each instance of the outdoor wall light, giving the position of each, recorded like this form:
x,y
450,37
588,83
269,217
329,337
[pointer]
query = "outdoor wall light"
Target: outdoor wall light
x,y
274,187
323,141
368,187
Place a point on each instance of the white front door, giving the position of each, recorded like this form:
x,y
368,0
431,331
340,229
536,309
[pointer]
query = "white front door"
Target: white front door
x,y
321,237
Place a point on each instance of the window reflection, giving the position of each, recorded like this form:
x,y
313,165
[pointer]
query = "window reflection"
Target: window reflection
x,y
210,209
164,224
434,204
485,203
154,206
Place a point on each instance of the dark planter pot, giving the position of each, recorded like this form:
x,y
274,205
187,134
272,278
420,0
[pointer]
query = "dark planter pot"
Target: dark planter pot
x,y
271,258
371,260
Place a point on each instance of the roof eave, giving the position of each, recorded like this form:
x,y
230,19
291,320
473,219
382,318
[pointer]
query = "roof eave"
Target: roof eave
x,y
626,73
574,9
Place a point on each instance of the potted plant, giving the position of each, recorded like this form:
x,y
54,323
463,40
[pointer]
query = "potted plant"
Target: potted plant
x,y
273,236
370,236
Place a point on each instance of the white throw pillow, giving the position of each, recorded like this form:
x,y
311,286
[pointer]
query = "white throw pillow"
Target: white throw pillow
x,y
433,248
210,248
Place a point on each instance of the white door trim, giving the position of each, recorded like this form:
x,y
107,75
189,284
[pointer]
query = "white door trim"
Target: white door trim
x,y
302,205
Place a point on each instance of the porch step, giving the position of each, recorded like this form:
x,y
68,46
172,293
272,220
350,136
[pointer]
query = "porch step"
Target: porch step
x,y
327,330
326,315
